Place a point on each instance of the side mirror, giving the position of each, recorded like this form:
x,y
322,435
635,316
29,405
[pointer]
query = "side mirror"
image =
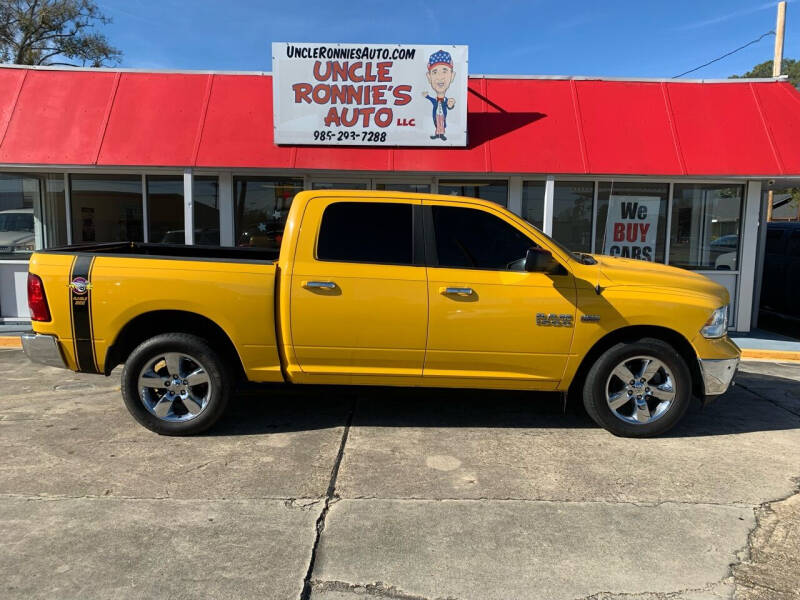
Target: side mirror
x,y
538,260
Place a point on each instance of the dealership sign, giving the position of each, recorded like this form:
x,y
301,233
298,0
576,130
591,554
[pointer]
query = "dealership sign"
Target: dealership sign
x,y
632,227
369,94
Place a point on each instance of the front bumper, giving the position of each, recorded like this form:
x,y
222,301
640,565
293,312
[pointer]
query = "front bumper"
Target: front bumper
x,y
717,374
43,349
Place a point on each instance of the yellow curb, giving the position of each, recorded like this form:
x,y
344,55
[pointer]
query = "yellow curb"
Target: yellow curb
x,y
782,355
10,342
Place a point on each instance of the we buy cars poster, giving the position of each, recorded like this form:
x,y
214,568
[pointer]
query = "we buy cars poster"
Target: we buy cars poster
x,y
369,94
632,227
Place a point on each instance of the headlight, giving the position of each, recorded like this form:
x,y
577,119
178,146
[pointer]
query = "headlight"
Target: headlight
x,y
717,324
24,247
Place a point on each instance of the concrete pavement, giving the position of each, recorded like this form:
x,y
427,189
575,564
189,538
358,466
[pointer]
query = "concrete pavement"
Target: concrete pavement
x,y
359,494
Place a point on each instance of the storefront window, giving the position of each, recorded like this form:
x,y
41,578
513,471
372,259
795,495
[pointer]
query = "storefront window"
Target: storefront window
x,y
533,202
165,209
25,200
54,210
636,225
106,208
262,204
206,210
339,185
492,190
17,195
572,214
706,226
416,188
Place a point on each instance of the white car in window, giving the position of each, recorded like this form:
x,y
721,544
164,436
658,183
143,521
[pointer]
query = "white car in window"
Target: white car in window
x,y
16,230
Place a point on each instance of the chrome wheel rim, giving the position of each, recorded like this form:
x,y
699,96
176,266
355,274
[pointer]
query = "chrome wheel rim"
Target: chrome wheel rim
x,y
174,387
640,390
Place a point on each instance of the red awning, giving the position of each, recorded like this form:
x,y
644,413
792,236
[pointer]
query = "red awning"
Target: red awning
x,y
560,126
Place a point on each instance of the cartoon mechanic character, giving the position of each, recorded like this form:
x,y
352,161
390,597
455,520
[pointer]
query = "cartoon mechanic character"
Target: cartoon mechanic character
x,y
440,76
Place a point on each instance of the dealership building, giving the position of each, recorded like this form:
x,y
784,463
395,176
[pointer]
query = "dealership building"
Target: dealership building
x,y
100,155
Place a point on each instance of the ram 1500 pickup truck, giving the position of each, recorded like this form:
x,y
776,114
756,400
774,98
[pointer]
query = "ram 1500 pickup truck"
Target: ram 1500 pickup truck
x,y
384,288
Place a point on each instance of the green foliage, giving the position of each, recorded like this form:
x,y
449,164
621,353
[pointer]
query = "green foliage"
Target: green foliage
x,y
789,67
54,32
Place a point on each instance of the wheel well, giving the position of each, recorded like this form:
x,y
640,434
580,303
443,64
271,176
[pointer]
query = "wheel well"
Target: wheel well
x,y
632,333
154,323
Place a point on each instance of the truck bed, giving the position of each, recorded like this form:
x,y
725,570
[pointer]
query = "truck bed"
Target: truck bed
x,y
167,251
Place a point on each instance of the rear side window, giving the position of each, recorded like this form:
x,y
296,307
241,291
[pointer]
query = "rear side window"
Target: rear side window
x,y
367,232
467,238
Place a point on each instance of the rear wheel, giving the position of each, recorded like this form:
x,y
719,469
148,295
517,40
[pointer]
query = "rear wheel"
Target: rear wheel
x,y
175,384
638,389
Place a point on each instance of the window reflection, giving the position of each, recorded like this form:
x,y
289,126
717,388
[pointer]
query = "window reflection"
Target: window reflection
x,y
206,210
165,209
705,226
492,190
416,188
106,208
339,185
262,204
533,202
572,214
17,196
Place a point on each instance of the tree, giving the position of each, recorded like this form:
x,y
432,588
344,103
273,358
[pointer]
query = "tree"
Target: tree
x,y
54,32
789,67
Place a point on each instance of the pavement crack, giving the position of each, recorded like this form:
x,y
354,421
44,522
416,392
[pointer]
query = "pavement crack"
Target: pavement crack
x,y
768,555
673,595
767,398
330,498
637,503
378,589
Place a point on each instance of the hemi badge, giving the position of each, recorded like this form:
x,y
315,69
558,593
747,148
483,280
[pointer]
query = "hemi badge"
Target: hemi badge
x,y
590,318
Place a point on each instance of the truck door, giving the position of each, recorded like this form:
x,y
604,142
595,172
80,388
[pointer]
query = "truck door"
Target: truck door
x,y
359,302
483,304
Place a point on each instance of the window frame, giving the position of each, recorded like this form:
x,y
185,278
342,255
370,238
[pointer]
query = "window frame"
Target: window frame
x,y
418,249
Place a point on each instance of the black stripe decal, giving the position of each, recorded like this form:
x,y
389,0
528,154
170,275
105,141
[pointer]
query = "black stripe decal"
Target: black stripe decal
x,y
81,303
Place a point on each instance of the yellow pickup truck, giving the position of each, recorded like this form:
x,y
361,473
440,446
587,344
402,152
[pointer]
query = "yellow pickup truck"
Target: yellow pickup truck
x,y
384,288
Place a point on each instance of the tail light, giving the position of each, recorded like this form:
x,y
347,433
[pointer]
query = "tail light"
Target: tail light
x,y
37,301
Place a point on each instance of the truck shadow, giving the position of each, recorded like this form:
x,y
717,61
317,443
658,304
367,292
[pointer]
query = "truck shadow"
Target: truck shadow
x,y
271,409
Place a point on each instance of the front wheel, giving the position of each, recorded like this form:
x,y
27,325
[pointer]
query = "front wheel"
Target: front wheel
x,y
175,384
638,389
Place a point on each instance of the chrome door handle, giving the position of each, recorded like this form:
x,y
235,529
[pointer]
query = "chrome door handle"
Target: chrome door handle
x,y
457,291
319,285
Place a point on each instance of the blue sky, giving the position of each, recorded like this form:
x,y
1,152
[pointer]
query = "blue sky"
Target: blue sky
x,y
540,37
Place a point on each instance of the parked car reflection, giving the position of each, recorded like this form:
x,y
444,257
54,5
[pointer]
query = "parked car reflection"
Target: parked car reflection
x,y
16,230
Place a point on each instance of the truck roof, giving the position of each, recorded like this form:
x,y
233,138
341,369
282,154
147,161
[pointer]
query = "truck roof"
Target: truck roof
x,y
392,194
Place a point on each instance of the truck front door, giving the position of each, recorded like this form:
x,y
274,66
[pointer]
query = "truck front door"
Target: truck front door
x,y
359,302
490,319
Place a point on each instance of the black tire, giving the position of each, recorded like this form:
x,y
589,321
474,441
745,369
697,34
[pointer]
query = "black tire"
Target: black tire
x,y
217,392
594,388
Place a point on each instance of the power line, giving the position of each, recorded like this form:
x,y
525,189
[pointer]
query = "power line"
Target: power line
x,y
726,55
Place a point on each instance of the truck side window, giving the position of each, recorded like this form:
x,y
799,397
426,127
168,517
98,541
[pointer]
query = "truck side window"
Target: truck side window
x,y
473,239
367,232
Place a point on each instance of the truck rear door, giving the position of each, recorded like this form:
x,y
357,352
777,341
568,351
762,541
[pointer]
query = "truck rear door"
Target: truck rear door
x,y
359,302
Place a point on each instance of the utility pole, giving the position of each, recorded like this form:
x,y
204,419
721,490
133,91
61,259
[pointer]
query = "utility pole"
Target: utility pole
x,y
777,61
779,31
